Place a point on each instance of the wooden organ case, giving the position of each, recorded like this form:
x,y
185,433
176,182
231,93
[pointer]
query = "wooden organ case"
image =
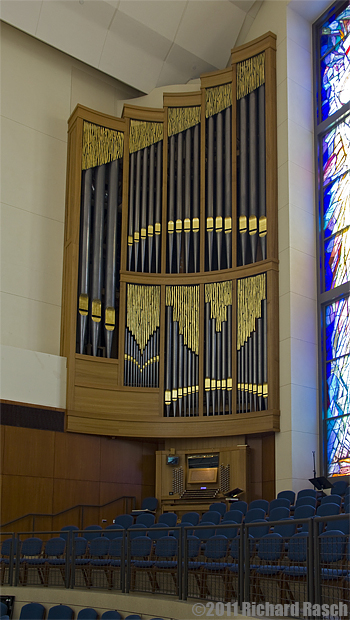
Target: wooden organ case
x,y
170,283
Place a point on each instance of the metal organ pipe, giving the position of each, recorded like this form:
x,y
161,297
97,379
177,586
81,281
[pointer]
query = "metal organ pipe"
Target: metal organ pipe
x,y
131,209
179,198
151,207
144,185
85,257
210,191
262,171
228,188
111,239
219,178
137,210
171,202
243,202
157,227
187,220
97,256
253,174
195,220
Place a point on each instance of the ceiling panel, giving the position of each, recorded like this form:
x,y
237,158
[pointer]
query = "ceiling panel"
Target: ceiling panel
x,y
182,66
162,17
21,14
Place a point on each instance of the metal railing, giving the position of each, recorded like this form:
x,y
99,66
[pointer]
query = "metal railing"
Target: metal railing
x,y
244,562
129,503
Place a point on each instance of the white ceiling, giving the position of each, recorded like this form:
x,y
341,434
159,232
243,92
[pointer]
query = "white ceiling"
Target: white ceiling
x,y
177,40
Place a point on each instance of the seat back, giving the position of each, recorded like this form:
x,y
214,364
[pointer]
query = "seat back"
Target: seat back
x,y
340,487
206,532
304,512
90,531
193,546
270,547
230,531
111,615
216,547
113,531
191,517
137,526
259,503
218,507
260,530
3,609
288,495
7,545
31,546
149,503
280,502
326,510
286,529
306,500
331,499
332,546
32,611
80,545
124,520
307,493
99,546
68,528
115,548
297,547
140,546
60,612
240,505
343,525
146,519
169,518
155,532
87,614
233,515
55,547
276,514
166,547
211,516
254,514
182,525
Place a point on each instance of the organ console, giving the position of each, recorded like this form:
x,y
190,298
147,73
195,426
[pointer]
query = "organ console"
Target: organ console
x,y
170,285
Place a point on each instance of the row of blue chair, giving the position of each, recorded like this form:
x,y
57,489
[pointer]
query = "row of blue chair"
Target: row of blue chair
x,y
37,611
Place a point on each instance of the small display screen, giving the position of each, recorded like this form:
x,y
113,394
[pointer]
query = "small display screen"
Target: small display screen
x,y
172,460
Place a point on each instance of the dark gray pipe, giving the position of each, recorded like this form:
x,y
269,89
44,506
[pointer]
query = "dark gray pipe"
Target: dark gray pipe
x,y
174,395
195,221
243,202
185,387
187,220
253,173
262,170
219,179
85,256
97,256
229,358
111,250
151,206
228,187
179,198
131,210
213,366
207,384
144,187
137,210
171,202
225,350
158,202
210,190
180,373
218,369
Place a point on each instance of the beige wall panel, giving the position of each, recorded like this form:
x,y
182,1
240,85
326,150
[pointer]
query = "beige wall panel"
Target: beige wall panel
x,y
255,445
29,452
77,457
110,491
24,494
68,493
148,469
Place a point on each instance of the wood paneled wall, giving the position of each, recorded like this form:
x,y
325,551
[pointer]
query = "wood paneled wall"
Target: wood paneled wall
x,y
47,471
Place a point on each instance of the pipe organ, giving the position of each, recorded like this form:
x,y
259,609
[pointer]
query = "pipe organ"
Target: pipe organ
x,y
170,288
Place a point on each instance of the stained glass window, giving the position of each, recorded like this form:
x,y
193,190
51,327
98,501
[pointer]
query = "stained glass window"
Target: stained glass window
x,y
332,114
335,59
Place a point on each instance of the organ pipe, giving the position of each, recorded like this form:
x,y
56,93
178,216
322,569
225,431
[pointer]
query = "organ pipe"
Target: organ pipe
x,y
84,258
97,256
111,238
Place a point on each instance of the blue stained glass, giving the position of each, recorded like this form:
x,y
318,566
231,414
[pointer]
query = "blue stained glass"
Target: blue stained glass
x,y
335,66
338,387
338,446
336,205
338,328
336,151
337,260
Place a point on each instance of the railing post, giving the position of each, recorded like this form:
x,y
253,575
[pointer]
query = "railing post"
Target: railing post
x,y
316,560
247,565
82,518
185,571
33,525
128,562
18,552
179,563
122,564
241,566
11,559
311,562
68,563
72,581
